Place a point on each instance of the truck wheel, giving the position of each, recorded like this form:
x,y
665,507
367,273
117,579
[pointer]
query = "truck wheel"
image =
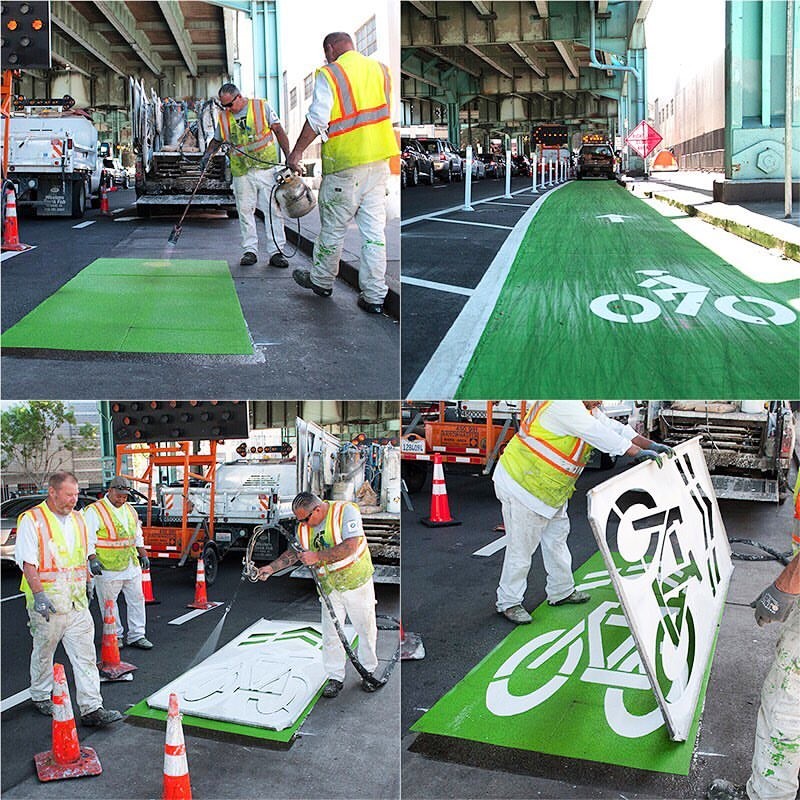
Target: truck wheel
x,y
232,213
415,473
78,199
211,563
143,211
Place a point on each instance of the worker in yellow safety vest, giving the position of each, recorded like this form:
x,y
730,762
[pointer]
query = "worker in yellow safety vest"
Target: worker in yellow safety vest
x,y
350,112
534,479
117,556
250,127
333,544
51,552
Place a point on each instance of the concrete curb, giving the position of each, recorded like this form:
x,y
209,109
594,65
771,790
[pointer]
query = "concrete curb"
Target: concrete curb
x,y
739,228
348,272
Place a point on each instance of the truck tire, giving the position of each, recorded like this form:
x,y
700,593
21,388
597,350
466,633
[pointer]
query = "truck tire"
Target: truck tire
x,y
78,199
211,562
143,210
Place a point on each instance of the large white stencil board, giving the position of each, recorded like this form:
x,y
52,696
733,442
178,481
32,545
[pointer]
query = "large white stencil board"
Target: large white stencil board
x,y
264,677
667,523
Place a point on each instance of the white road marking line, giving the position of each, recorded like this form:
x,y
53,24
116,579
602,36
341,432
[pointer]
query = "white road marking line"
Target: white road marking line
x,y
15,699
447,366
450,210
191,615
118,210
126,219
464,222
85,224
441,287
492,547
718,755
516,205
11,253
13,597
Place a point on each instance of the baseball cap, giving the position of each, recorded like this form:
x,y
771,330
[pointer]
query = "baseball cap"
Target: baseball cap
x,y
120,484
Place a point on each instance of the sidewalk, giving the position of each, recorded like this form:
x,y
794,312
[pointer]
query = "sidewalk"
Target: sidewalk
x,y
758,222
351,254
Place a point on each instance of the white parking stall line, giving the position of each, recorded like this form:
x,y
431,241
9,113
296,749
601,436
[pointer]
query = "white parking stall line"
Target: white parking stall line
x,y
516,205
478,224
11,253
84,224
441,287
15,700
432,214
492,547
126,219
191,615
13,597
118,210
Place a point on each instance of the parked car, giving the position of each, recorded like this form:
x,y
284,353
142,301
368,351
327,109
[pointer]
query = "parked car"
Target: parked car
x,y
520,165
478,167
596,160
119,175
494,165
447,164
417,164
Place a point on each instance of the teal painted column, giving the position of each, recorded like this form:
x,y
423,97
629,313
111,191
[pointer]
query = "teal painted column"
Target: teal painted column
x,y
266,52
755,86
108,454
453,124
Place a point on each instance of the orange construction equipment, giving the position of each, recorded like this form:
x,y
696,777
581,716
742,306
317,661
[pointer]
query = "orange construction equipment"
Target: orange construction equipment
x,y
664,162
110,666
147,589
200,596
440,508
176,768
67,759
10,228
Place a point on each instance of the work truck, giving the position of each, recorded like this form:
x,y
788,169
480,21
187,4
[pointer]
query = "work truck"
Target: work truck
x,y
52,157
169,139
213,508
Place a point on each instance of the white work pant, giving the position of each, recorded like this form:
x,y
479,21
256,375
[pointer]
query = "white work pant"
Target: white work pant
x,y
525,530
108,588
359,605
253,190
359,194
776,757
75,630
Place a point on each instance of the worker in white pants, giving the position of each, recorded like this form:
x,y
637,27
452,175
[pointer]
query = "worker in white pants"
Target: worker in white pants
x,y
776,755
131,589
535,478
359,605
253,191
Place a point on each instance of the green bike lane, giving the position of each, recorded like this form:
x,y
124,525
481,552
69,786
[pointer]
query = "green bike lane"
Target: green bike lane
x,y
595,287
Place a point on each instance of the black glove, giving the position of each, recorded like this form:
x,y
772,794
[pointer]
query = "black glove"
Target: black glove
x,y
649,455
43,604
663,449
773,605
96,566
145,562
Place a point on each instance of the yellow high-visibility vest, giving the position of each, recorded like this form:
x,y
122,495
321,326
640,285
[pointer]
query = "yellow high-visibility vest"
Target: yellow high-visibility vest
x,y
360,129
116,541
256,139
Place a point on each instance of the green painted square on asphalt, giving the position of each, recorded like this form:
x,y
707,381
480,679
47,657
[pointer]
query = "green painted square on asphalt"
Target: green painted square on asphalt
x,y
139,306
534,692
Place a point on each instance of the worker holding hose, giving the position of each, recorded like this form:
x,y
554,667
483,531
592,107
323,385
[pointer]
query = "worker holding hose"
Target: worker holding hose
x,y
250,127
332,543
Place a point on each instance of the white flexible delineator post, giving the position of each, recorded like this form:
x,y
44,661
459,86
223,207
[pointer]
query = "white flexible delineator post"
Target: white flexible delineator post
x,y
508,175
468,181
533,173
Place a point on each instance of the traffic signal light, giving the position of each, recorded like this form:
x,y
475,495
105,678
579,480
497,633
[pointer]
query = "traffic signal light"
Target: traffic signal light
x,y
25,37
176,420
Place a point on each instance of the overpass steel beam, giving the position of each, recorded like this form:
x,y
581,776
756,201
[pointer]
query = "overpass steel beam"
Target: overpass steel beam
x,y
177,27
125,24
533,63
74,25
491,62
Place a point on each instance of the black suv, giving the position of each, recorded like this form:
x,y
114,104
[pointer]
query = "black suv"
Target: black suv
x,y
596,160
417,164
447,164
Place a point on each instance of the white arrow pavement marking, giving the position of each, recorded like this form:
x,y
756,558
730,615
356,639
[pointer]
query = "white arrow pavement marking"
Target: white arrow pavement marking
x,y
613,217
191,615
492,547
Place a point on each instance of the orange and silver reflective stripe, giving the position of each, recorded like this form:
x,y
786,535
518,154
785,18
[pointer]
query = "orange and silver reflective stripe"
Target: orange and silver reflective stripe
x,y
346,562
114,540
351,118
45,556
51,576
303,535
340,83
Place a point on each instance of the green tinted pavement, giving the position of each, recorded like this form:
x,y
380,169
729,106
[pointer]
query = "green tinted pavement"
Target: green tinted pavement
x,y
128,305
607,294
536,691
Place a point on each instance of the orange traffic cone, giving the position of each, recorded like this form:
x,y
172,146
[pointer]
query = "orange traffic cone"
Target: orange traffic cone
x,y
147,589
67,759
440,508
176,767
110,666
200,596
411,647
105,211
10,228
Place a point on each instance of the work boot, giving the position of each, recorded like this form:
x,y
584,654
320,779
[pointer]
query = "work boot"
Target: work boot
x,y
370,308
142,644
332,688
368,686
573,599
720,789
302,277
278,260
517,614
44,707
248,259
100,717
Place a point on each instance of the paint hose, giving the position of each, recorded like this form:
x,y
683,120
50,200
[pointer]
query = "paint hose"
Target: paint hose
x,y
774,555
